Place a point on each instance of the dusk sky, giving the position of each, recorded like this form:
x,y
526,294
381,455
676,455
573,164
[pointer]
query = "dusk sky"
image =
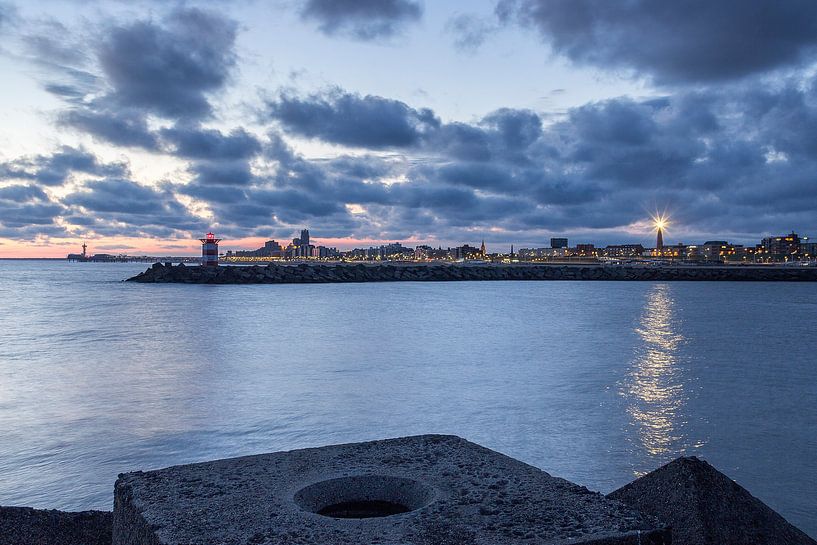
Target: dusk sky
x,y
139,126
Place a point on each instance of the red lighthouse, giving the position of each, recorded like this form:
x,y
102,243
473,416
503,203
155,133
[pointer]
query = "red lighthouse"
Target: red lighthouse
x,y
209,250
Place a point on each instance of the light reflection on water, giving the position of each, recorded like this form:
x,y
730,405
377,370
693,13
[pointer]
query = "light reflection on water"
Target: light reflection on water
x,y
656,385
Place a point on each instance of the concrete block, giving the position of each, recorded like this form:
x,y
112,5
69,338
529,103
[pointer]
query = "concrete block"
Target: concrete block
x,y
705,507
27,526
423,490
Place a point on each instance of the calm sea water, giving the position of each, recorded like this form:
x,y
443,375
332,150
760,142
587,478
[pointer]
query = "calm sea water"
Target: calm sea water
x,y
595,382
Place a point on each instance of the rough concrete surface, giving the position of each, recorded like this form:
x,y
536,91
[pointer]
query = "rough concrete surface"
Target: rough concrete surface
x,y
458,493
705,507
27,526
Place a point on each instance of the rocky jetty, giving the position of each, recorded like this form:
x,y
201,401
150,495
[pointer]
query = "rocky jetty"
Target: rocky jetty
x,y
442,272
705,507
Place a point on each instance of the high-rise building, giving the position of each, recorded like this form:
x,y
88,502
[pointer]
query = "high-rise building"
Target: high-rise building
x,y
272,247
558,243
808,248
585,250
782,246
305,237
716,250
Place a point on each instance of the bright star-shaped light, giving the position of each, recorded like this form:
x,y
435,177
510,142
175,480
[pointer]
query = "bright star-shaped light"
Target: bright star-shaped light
x,y
660,221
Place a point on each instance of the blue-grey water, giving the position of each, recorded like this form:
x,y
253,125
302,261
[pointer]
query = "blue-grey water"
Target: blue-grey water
x,y
597,382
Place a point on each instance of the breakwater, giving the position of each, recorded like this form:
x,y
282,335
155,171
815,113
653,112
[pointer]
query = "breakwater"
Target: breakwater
x,y
442,272
420,490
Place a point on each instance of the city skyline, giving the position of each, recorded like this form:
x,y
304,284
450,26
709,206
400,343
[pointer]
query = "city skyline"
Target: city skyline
x,y
511,121
781,248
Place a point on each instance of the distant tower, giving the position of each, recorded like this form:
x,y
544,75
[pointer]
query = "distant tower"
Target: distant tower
x,y
659,242
482,248
209,250
84,250
305,237
511,250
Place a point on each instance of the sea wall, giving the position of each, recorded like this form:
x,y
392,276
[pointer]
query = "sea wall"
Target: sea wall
x,y
440,272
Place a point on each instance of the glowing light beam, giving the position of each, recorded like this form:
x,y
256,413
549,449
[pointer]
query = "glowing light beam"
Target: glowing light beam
x,y
660,221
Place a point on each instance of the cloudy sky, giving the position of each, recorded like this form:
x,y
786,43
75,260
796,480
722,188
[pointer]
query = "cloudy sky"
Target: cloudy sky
x,y
138,126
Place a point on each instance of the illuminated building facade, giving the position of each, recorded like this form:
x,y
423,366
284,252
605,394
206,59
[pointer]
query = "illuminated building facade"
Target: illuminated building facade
x,y
542,253
673,251
624,250
770,250
808,249
782,247
586,250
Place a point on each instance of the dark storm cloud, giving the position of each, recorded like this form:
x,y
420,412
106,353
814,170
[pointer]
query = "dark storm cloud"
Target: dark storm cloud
x,y
739,158
22,193
54,169
108,204
517,128
732,160
216,158
223,194
504,171
24,216
297,191
117,195
373,122
26,212
352,120
736,160
167,68
362,19
303,202
677,41
123,207
120,128
199,143
222,172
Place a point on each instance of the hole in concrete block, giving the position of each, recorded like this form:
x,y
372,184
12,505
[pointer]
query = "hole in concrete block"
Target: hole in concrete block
x,y
364,496
363,509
